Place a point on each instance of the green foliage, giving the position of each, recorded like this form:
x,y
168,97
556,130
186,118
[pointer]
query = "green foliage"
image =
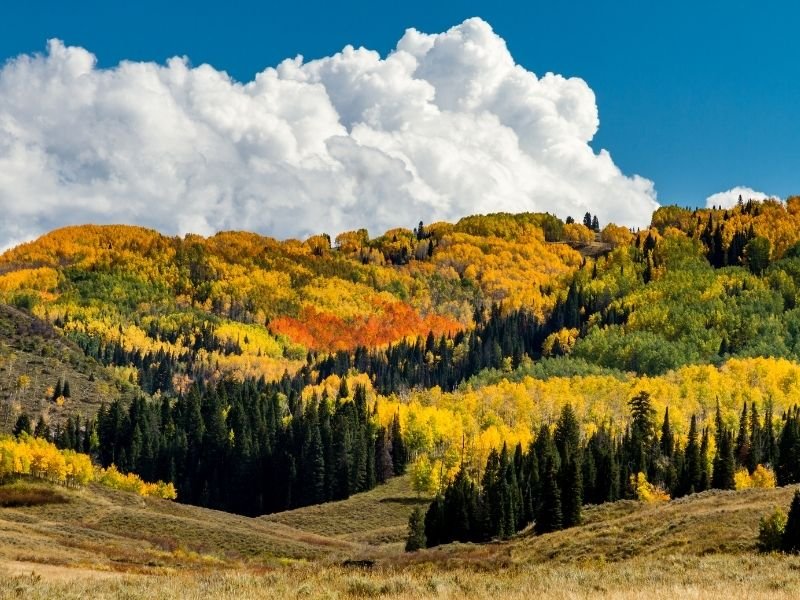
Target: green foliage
x,y
416,531
790,541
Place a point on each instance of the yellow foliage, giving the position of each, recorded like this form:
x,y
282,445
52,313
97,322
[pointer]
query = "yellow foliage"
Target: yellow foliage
x,y
578,233
616,235
646,491
39,458
762,477
560,342
131,482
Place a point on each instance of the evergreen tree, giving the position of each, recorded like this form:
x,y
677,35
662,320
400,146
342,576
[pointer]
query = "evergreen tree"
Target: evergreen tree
x,y
399,453
66,391
756,440
567,440
691,475
41,430
705,479
742,450
790,541
23,425
416,531
57,391
344,392
667,438
549,516
724,463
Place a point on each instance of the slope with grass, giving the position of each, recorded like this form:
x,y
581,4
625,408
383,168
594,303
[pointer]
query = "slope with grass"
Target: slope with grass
x,y
32,349
110,530
102,543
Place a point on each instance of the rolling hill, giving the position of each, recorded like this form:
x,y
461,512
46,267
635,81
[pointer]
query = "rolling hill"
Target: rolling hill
x,y
104,543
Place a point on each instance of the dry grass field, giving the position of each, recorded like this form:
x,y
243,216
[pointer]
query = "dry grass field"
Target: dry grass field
x,y
99,543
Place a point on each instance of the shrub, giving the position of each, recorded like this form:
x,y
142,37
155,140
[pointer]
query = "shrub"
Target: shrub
x,y
770,531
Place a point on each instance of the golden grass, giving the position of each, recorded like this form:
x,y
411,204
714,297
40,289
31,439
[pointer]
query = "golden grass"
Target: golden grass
x,y
375,518
108,544
711,577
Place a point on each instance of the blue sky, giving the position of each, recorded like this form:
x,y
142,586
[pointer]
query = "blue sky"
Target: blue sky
x,y
696,96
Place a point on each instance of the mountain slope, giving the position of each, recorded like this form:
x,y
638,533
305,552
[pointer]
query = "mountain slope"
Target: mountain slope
x,y
32,348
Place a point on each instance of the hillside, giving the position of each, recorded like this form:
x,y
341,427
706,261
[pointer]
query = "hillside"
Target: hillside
x,y
32,348
106,543
110,530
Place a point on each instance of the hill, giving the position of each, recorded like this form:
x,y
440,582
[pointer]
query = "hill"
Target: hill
x,y
105,543
111,530
32,349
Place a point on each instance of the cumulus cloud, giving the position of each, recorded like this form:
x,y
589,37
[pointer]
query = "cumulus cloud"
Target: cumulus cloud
x,y
730,197
444,126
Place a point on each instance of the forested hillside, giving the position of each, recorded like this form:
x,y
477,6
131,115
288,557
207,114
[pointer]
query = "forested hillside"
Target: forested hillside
x,y
259,375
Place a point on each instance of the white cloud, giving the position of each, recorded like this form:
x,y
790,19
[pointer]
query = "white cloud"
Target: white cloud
x,y
730,197
444,126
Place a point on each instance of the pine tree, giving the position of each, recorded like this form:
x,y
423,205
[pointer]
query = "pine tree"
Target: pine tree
x,y
23,425
399,453
383,457
705,479
756,439
571,492
66,391
791,534
549,517
57,392
724,463
742,450
667,439
344,392
692,467
416,531
41,430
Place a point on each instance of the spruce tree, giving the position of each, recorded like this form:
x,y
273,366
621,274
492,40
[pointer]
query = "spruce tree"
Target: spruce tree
x,y
66,391
571,492
399,452
549,517
23,425
791,534
756,439
724,463
742,450
667,439
692,466
416,531
705,479
344,392
41,430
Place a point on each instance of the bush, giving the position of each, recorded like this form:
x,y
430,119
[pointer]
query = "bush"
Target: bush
x,y
770,531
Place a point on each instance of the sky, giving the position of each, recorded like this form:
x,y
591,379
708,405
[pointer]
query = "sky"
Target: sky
x,y
678,103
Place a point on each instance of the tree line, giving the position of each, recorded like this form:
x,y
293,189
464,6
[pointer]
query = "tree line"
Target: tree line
x,y
251,448
548,483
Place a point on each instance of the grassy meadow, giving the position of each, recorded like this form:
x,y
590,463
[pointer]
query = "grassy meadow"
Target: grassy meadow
x,y
100,543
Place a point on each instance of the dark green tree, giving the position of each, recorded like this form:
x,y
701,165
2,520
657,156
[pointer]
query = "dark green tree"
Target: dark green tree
x,y
791,534
23,425
549,516
416,531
